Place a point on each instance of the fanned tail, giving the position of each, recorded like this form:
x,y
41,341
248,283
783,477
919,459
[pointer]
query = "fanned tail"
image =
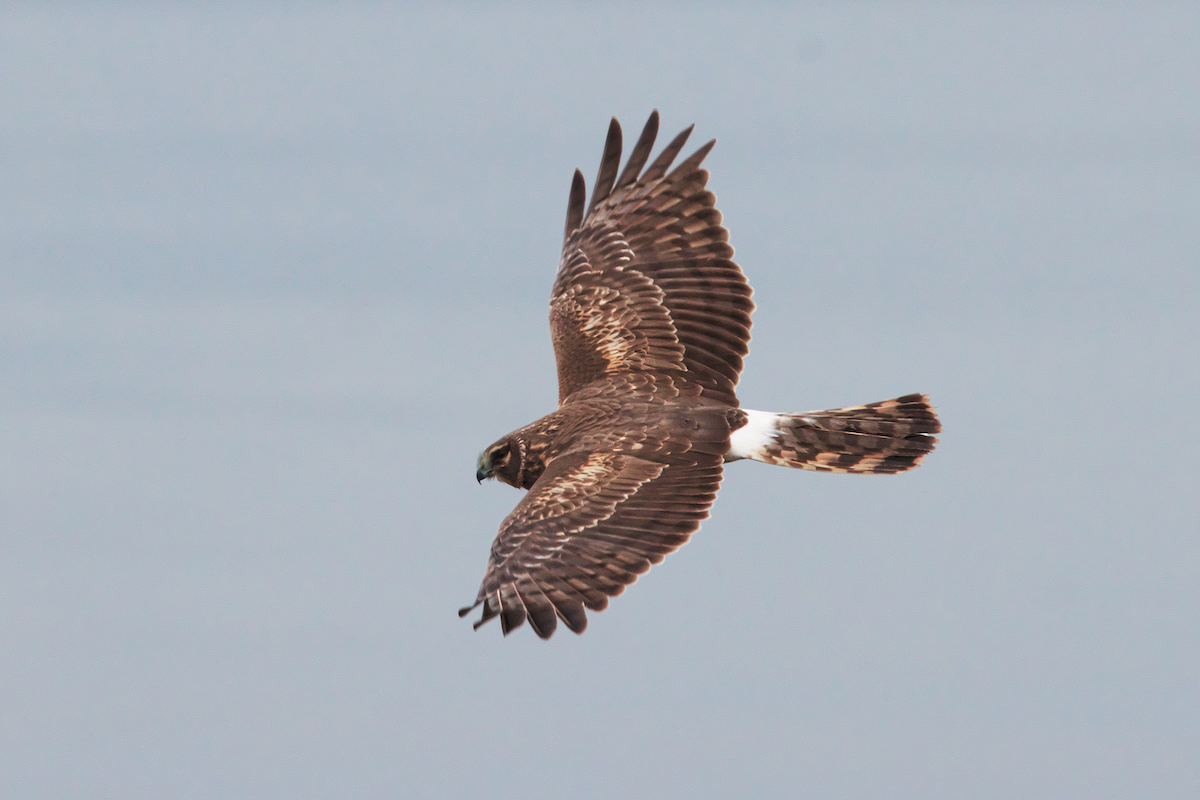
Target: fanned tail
x,y
879,438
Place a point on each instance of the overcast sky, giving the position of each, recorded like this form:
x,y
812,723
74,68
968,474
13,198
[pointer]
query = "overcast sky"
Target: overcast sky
x,y
271,278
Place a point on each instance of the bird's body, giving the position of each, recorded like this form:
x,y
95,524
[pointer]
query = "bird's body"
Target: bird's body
x,y
650,320
604,423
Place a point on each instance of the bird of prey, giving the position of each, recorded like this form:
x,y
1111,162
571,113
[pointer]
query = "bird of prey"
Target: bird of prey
x,y
650,319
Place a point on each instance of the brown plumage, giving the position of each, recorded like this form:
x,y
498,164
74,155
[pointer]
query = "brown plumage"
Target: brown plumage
x,y
650,320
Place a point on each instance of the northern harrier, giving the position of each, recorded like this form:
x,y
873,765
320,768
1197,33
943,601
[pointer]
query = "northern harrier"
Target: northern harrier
x,y
650,319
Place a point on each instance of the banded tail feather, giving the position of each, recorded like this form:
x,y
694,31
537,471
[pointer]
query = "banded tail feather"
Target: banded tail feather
x,y
879,438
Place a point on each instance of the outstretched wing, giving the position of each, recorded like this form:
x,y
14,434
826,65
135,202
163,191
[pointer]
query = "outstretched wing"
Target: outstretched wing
x,y
590,525
646,282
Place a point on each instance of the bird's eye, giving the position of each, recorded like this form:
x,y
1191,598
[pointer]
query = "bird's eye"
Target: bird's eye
x,y
500,453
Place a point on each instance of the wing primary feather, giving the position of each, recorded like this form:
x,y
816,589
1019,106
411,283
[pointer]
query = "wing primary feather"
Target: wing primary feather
x,y
488,613
542,617
573,616
693,161
659,167
512,614
567,601
575,204
641,151
609,163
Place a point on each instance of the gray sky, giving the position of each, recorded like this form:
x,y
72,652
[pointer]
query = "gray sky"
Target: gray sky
x,y
270,278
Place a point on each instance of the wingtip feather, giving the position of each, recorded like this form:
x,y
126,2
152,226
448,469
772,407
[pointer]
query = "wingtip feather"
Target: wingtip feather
x,y
693,161
575,203
641,151
609,163
663,162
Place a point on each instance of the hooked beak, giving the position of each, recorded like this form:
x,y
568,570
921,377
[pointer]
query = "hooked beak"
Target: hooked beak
x,y
482,473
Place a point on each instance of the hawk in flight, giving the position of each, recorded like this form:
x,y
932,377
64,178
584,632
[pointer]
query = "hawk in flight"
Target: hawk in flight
x,y
650,319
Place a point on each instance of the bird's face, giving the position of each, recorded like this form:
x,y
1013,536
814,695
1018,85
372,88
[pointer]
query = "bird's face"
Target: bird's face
x,y
500,462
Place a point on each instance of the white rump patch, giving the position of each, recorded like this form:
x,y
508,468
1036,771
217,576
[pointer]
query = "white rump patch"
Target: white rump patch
x,y
759,431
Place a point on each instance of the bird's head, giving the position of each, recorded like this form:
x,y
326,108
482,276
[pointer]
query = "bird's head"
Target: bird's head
x,y
500,461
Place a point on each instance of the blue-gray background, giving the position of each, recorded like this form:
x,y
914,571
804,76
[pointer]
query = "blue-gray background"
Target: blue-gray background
x,y
270,278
